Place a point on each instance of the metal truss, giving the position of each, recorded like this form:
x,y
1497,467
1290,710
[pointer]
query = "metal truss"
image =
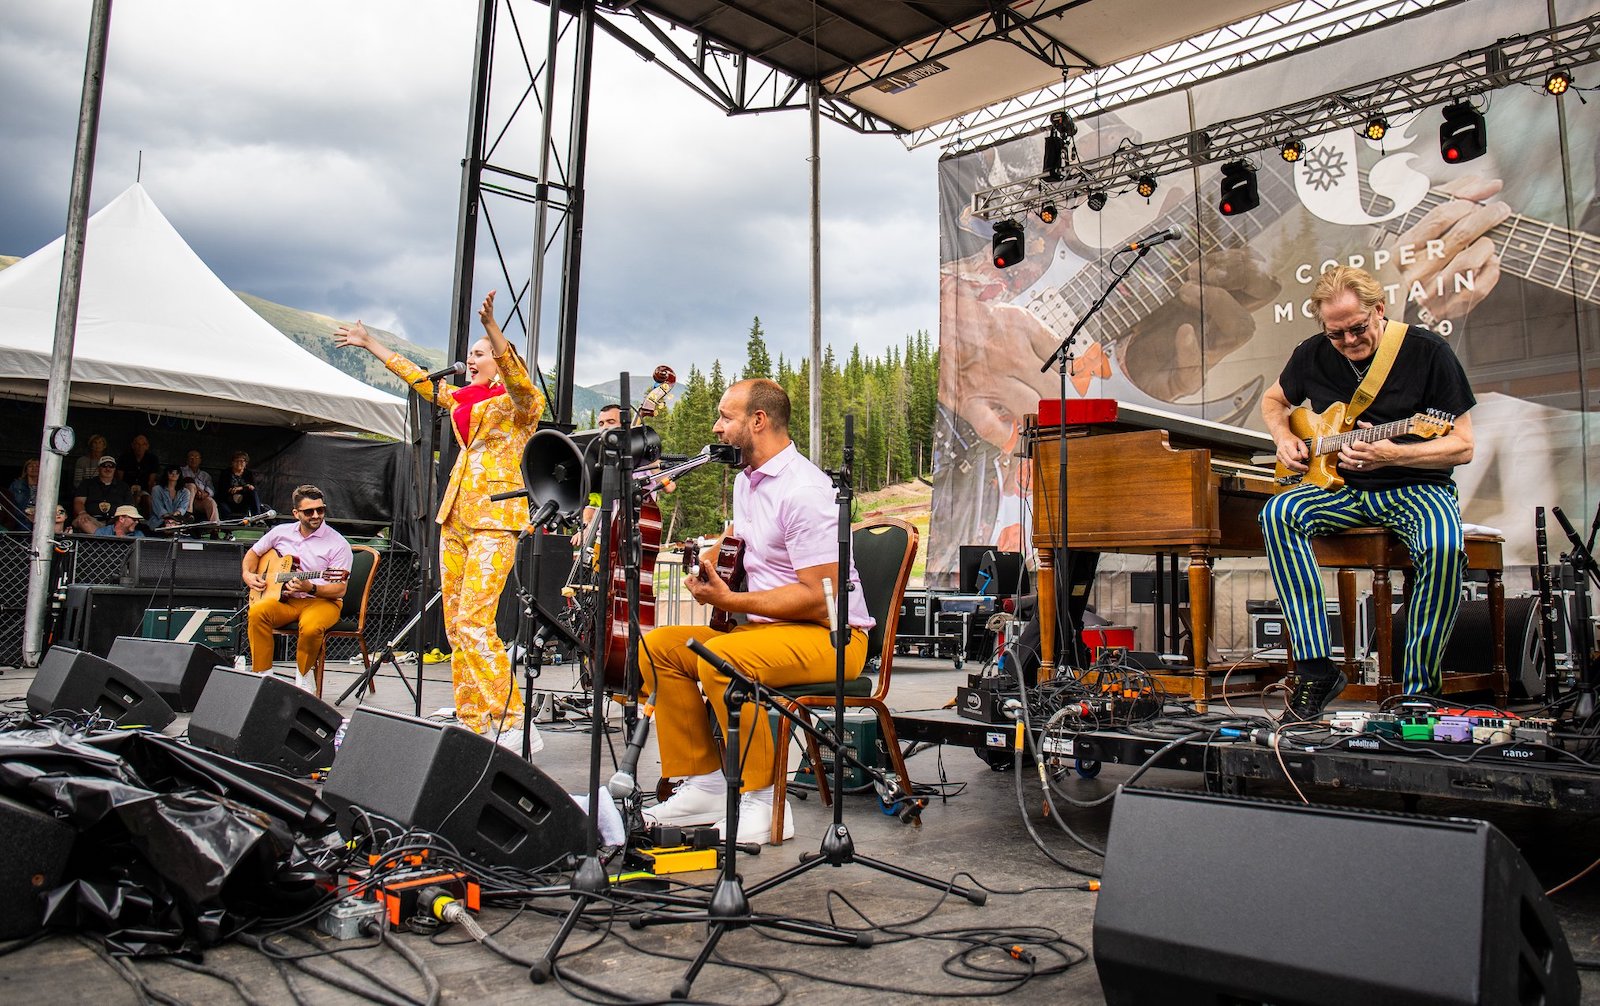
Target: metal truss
x,y
1213,54
522,178
736,82
1520,59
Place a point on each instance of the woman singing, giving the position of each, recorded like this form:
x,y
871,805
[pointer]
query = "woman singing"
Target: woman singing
x,y
493,416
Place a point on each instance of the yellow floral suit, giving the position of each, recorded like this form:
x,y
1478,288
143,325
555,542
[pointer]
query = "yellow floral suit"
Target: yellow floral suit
x,y
478,538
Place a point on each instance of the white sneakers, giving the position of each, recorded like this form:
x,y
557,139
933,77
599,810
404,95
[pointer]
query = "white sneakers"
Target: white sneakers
x,y
698,800
511,740
702,800
306,682
755,818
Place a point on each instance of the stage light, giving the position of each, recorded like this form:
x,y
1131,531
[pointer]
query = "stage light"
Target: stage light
x,y
1462,135
1007,244
1376,128
1047,213
1097,200
1292,150
1062,123
1145,185
1239,192
1559,81
1052,157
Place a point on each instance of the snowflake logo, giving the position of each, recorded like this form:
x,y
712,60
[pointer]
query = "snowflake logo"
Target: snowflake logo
x,y
1324,168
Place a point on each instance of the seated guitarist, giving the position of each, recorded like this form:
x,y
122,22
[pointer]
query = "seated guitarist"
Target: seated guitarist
x,y
1402,484
784,509
314,602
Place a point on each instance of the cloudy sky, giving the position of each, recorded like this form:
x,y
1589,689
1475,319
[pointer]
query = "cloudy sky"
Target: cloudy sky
x,y
310,153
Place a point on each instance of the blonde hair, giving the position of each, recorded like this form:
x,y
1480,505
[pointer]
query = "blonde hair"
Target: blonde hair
x,y
1343,278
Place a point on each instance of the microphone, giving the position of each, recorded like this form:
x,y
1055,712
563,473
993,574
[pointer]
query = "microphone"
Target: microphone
x,y
833,609
455,368
1173,233
262,517
622,783
1579,550
545,513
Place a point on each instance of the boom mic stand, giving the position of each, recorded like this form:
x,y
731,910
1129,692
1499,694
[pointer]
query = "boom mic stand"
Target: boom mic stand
x,y
838,848
1588,571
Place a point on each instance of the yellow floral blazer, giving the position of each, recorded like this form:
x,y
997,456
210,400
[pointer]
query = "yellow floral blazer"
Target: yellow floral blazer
x,y
491,457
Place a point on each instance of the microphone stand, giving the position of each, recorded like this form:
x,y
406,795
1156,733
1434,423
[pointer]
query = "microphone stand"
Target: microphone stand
x,y
1061,603
428,553
838,848
532,613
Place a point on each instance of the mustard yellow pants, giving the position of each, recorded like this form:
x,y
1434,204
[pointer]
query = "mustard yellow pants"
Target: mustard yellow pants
x,y
473,566
779,654
315,616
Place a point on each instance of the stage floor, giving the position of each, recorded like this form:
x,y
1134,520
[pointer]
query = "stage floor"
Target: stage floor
x,y
977,837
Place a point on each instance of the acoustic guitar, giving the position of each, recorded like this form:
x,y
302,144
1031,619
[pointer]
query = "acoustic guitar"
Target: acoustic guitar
x,y
1325,435
730,566
280,569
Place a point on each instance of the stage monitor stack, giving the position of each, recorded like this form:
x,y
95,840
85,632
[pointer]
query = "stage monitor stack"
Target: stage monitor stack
x,y
266,720
71,680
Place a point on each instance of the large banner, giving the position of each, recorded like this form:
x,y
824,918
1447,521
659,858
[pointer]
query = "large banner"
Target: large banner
x,y
1500,255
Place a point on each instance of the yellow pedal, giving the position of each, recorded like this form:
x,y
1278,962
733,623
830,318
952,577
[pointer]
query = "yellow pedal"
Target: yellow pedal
x,y
678,859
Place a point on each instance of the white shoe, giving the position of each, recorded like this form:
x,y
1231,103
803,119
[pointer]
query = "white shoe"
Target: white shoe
x,y
306,682
689,805
511,740
755,820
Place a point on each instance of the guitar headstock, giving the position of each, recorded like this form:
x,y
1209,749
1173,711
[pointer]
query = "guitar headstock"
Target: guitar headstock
x,y
1433,423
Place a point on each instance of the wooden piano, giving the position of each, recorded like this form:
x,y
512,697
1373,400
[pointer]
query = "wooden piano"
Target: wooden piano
x,y
1148,482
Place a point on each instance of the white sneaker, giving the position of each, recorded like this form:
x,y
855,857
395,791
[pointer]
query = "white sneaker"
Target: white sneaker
x,y
306,682
689,805
755,820
511,740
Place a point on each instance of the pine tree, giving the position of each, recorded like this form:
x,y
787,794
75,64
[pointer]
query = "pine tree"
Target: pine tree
x,y
757,361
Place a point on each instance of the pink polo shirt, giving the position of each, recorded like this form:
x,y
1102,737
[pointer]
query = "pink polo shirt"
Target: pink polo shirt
x,y
786,514
323,549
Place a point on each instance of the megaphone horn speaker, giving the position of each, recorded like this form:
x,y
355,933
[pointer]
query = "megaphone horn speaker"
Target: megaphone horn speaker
x,y
553,469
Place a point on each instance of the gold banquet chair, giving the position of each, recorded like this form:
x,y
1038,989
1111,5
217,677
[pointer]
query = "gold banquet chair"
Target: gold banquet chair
x,y
353,616
883,550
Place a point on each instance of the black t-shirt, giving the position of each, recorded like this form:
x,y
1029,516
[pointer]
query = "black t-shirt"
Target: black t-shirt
x,y
100,501
1426,375
140,473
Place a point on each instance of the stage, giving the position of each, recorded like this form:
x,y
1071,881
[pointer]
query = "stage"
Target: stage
x,y
977,836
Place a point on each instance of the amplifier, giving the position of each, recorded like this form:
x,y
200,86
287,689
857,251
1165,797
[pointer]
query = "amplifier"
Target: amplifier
x,y
94,615
184,562
213,627
863,741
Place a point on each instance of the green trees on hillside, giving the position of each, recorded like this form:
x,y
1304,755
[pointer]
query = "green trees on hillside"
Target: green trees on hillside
x,y
892,397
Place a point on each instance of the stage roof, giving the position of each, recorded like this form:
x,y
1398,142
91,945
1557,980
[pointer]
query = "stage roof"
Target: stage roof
x,y
913,63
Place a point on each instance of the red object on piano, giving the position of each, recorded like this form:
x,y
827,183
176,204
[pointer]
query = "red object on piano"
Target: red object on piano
x,y
1080,411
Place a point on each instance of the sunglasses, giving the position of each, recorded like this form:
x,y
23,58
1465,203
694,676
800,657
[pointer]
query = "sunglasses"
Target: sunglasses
x,y
312,511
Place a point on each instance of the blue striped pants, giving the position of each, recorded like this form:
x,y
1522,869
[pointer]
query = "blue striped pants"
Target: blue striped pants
x,y
1427,518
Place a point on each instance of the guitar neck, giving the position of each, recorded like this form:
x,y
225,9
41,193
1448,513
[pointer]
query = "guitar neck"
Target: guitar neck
x,y
1335,443
1541,253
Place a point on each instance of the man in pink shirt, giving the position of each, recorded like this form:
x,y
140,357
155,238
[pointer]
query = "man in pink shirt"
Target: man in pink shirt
x,y
314,600
784,510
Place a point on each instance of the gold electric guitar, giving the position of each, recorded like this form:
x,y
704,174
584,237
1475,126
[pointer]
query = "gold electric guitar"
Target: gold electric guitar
x,y
1326,434
280,569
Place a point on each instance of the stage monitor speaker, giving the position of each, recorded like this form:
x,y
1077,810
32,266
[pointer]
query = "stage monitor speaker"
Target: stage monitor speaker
x,y
1472,643
175,671
37,847
69,679
266,720
491,805
1002,574
1271,902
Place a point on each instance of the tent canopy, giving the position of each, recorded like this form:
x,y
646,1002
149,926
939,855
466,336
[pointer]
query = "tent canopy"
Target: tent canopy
x,y
157,330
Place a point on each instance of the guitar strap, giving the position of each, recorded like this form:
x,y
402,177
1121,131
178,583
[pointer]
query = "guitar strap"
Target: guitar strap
x,y
1394,333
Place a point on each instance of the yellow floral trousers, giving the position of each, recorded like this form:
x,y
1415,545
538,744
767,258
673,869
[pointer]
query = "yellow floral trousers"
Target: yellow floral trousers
x,y
473,568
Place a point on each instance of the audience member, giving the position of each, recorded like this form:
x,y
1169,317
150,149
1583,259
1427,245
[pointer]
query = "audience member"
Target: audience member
x,y
172,497
140,467
95,499
125,524
238,483
25,489
205,491
84,467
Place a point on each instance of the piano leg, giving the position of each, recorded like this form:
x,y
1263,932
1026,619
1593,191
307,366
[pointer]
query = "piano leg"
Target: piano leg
x,y
1047,614
1200,623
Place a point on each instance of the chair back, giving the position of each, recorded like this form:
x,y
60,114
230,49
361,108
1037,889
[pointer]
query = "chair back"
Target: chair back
x,y
363,563
883,550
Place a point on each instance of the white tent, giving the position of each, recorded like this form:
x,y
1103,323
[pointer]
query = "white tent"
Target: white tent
x,y
158,331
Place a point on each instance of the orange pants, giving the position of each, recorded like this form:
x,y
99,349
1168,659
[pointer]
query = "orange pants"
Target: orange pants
x,y
315,616
778,654
473,566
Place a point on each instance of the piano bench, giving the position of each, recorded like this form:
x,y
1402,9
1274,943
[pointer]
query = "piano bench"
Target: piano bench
x,y
1379,550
